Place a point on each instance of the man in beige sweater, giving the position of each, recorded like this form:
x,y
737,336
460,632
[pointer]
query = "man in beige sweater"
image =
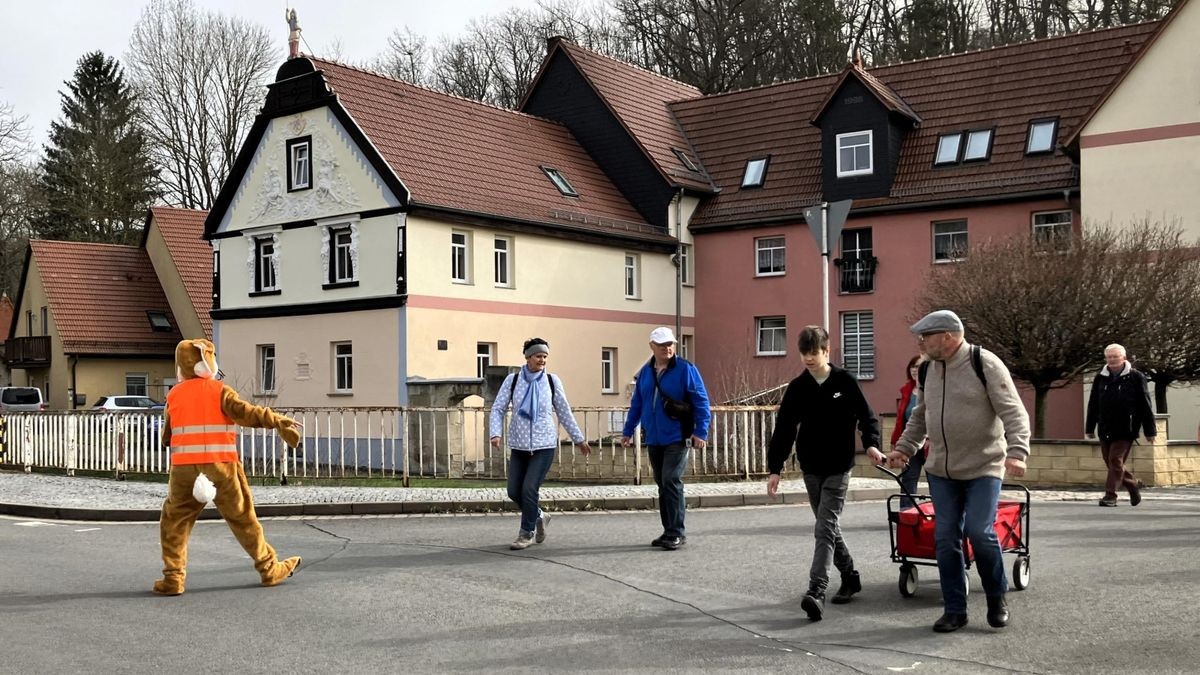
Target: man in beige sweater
x,y
978,430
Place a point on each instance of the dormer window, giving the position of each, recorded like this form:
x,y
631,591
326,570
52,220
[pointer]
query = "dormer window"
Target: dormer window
x,y
854,154
1042,137
948,148
979,145
560,181
299,159
159,322
756,172
685,160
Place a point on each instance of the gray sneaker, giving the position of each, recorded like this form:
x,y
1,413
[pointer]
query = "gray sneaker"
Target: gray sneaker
x,y
542,521
523,541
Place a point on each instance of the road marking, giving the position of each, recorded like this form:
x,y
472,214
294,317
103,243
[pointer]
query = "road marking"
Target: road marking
x,y
88,529
35,523
900,668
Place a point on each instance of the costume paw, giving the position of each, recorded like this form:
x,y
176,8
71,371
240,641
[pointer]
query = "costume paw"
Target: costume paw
x,y
168,587
280,571
289,432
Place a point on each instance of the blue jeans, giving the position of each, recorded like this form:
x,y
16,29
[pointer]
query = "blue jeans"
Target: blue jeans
x,y
526,471
966,506
668,462
826,496
910,476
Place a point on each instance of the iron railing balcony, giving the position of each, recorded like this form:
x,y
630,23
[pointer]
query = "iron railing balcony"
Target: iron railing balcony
x,y
856,275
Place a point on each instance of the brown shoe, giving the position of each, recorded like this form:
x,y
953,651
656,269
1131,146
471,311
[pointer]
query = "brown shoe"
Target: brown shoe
x,y
1135,495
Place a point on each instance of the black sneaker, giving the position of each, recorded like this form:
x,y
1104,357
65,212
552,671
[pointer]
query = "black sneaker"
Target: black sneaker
x,y
1135,494
658,542
1108,502
813,604
672,543
851,584
949,623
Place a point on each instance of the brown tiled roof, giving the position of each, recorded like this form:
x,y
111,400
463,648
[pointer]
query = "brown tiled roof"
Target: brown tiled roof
x,y
639,100
183,231
890,99
99,295
1004,87
458,154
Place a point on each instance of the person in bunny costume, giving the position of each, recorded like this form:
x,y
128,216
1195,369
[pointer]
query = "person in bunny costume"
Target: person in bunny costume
x,y
199,425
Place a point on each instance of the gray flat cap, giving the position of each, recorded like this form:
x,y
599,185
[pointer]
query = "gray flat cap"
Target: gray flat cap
x,y
941,321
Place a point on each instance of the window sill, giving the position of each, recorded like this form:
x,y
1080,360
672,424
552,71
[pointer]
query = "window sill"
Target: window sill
x,y
865,292
267,393
771,355
340,393
340,284
855,174
461,282
259,294
632,297
299,189
507,287
609,392
762,275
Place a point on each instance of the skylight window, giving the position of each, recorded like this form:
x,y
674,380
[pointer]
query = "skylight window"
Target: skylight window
x,y
1042,136
947,149
685,160
979,145
159,321
560,181
756,172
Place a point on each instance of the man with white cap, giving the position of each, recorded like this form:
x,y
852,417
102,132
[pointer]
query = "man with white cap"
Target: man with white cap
x,y
671,405
978,430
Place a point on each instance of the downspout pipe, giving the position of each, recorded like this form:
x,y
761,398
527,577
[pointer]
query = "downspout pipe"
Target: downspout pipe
x,y
679,264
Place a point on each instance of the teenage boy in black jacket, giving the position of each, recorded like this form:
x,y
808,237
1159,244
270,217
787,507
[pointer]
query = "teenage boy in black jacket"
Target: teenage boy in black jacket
x,y
818,413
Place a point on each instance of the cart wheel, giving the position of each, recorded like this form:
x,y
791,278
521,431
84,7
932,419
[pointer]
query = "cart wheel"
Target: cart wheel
x,y
1021,573
908,580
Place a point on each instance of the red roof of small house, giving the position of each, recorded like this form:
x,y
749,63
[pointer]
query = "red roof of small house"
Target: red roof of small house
x,y
468,157
1002,88
99,296
183,232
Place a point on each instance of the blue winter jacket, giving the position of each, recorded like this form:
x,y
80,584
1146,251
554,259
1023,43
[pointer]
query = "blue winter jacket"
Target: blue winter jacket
x,y
681,381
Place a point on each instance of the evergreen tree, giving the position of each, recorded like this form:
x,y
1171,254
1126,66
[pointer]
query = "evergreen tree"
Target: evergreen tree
x,y
96,176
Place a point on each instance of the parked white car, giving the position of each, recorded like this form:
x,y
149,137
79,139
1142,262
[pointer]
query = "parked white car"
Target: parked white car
x,y
21,399
125,403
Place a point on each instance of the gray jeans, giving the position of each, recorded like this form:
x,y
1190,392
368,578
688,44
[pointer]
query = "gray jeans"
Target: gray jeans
x,y
827,495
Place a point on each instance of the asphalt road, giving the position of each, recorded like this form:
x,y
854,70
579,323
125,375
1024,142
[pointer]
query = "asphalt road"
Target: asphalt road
x,y
1112,591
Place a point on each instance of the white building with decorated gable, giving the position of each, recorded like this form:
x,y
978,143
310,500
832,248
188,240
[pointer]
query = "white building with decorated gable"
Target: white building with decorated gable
x,y
375,234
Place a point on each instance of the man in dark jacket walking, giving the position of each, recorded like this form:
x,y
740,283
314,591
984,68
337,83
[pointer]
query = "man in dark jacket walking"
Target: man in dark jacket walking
x,y
1120,404
818,413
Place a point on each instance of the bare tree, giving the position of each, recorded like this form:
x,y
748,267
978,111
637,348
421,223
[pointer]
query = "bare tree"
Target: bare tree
x,y
200,77
1047,307
406,58
17,180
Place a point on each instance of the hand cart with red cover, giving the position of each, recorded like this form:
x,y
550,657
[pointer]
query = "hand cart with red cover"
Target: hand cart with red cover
x,y
912,534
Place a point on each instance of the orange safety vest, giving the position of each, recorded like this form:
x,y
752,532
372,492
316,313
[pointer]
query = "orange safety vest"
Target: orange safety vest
x,y
201,433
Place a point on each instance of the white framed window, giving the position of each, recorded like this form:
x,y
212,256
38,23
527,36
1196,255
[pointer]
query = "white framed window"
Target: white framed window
x,y
950,241
502,255
1043,135
485,355
460,257
633,274
858,344
266,369
687,346
264,264
756,172
343,367
854,153
45,320
299,153
137,384
770,256
342,255
685,264
608,370
948,148
1052,230
772,336
979,145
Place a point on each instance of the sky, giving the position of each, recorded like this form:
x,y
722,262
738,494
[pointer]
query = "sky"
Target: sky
x,y
45,38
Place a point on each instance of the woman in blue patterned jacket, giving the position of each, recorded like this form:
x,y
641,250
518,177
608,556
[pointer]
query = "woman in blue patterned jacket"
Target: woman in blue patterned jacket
x,y
536,397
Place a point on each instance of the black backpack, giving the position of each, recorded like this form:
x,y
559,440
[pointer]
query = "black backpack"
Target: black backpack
x,y
512,388
976,363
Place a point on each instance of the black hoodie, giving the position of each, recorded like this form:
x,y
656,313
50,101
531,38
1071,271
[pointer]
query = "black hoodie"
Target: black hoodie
x,y
820,420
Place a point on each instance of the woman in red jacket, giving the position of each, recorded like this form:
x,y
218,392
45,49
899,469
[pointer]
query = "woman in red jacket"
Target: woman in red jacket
x,y
904,408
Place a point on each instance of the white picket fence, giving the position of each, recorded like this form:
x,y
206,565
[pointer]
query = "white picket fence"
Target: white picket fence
x,y
397,443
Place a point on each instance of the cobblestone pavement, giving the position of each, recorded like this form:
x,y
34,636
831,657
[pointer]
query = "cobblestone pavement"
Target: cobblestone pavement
x,y
62,492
